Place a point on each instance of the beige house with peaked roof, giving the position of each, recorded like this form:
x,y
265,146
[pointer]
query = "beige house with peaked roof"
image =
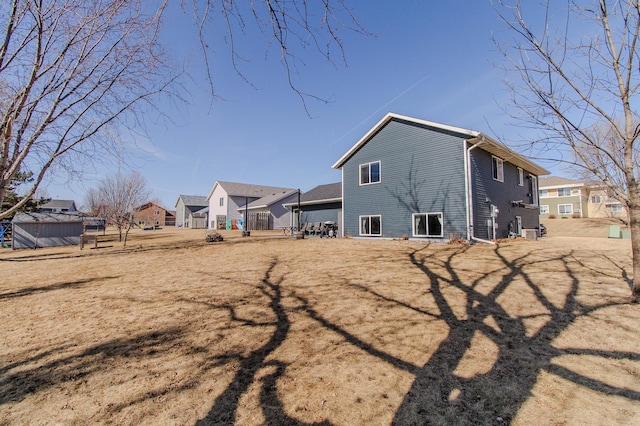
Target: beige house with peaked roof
x,y
562,197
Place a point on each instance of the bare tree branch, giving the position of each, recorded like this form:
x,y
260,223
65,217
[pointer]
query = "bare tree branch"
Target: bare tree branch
x,y
579,87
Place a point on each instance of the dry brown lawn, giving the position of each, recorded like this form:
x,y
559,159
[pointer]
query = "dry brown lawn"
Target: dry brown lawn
x,y
270,330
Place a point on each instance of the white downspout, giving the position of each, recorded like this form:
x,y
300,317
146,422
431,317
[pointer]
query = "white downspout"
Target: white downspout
x,y
468,190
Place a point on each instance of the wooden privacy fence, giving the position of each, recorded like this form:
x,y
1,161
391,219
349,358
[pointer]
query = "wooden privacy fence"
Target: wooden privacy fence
x,y
260,221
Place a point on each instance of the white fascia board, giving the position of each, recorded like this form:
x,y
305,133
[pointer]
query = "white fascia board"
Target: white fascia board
x,y
505,153
390,116
243,208
566,185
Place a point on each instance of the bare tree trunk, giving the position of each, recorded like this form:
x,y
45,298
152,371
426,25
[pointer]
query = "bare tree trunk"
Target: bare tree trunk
x,y
126,234
634,225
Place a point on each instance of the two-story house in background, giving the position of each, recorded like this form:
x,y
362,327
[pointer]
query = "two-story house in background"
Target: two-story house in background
x,y
425,180
230,201
192,211
562,197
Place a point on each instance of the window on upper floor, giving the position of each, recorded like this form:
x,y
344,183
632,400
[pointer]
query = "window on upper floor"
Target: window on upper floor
x,y
427,225
520,177
497,169
617,208
221,201
371,225
370,173
564,192
544,192
596,199
534,190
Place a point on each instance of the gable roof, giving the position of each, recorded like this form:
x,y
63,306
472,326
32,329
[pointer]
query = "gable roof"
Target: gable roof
x,y
269,200
150,205
473,137
321,194
246,189
193,200
556,181
59,204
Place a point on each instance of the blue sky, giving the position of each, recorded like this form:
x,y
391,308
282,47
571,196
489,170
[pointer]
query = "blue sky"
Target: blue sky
x,y
431,60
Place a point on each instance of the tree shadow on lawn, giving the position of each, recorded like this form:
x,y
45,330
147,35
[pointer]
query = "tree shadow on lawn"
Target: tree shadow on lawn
x,y
440,395
28,291
17,385
225,406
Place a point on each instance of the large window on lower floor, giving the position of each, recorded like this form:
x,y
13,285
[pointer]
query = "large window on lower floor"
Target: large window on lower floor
x,y
565,208
427,225
371,225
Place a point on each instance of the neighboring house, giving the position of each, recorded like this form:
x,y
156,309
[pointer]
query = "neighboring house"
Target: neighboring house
x,y
192,211
35,230
269,211
58,206
153,215
426,180
320,204
199,218
226,198
562,197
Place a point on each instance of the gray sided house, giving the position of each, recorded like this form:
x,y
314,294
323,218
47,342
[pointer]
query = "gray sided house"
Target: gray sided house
x,y
269,212
226,199
320,204
191,211
431,181
58,206
36,230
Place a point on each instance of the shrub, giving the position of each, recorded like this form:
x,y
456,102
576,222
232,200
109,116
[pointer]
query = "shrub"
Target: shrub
x,y
552,216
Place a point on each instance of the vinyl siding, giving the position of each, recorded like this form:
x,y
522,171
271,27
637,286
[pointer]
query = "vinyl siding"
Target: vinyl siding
x,y
32,235
181,215
214,205
422,171
487,191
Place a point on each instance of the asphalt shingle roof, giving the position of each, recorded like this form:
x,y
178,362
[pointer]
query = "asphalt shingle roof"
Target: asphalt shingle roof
x,y
271,198
24,217
330,191
58,204
250,190
194,200
544,182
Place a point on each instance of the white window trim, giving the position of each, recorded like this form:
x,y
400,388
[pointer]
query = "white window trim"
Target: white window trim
x,y
563,188
369,165
535,195
520,176
570,208
499,163
544,207
413,225
360,225
596,197
617,208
